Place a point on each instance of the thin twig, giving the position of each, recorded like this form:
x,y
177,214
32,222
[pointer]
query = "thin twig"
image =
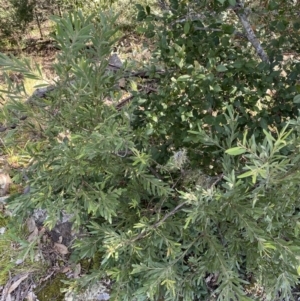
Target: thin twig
x,y
157,224
143,73
123,102
155,173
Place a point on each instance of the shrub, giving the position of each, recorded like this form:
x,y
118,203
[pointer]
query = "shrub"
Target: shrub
x,y
15,17
138,181
209,65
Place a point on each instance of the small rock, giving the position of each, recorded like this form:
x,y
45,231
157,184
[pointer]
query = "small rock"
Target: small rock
x,y
115,61
103,297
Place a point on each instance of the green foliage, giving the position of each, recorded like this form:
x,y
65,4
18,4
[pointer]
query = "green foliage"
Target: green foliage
x,y
15,17
198,181
209,66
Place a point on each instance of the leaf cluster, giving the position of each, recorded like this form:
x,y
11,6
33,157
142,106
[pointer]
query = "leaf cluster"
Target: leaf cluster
x,y
209,65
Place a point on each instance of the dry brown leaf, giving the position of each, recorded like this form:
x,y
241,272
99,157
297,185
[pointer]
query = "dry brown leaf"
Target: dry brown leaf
x,y
122,83
77,270
42,231
17,283
60,248
146,53
34,234
65,269
30,224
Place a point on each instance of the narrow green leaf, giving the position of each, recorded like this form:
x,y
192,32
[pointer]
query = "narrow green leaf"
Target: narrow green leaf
x,y
235,151
245,137
269,138
246,174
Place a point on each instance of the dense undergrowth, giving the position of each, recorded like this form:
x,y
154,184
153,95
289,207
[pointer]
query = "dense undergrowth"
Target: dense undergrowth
x,y
189,190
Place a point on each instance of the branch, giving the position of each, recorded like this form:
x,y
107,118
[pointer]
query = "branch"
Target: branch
x,y
157,224
242,15
207,28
